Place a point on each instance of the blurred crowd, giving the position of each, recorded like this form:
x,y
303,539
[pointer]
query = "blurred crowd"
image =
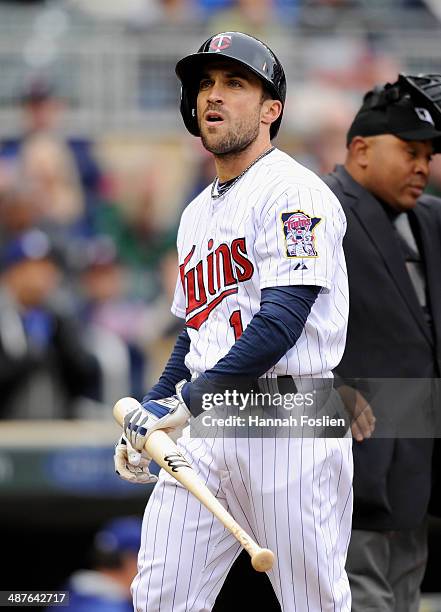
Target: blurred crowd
x,y
103,585
88,220
256,15
82,285
88,226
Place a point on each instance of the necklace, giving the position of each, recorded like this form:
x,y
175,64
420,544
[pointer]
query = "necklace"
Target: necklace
x,y
217,193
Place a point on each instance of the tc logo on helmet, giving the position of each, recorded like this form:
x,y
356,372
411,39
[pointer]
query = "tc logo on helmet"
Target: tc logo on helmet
x,y
220,43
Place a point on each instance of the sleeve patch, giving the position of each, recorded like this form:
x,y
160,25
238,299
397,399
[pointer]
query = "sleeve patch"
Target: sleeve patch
x,y
298,231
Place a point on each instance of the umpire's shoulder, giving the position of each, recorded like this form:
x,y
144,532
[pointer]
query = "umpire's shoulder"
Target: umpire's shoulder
x,y
430,209
431,202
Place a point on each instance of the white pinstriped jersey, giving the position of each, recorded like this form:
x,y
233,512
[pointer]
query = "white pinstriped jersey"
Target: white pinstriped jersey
x,y
278,225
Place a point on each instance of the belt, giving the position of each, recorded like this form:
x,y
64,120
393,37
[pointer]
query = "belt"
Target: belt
x,y
280,384
287,384
277,384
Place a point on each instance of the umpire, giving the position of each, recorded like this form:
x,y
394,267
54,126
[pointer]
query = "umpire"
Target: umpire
x,y
393,254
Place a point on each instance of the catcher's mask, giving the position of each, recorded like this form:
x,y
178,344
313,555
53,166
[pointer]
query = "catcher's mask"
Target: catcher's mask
x,y
410,109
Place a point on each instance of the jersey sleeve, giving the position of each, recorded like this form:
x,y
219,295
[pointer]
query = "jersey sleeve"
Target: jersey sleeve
x,y
299,238
178,306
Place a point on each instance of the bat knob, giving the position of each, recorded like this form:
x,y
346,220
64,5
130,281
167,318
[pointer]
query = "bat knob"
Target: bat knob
x,y
123,407
263,560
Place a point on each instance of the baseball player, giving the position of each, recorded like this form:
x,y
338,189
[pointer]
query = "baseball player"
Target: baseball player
x,y
262,286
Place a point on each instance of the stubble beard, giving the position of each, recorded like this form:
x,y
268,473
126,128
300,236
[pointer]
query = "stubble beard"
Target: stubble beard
x,y
235,141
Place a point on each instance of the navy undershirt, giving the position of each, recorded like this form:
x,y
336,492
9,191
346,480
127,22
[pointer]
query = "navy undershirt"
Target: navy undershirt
x,y
272,332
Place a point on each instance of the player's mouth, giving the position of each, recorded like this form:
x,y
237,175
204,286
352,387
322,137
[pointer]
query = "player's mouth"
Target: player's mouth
x,y
213,118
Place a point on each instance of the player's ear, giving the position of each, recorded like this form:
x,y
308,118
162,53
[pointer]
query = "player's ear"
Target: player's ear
x,y
359,149
270,111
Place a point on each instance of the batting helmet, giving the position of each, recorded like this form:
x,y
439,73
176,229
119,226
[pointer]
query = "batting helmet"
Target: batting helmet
x,y
242,48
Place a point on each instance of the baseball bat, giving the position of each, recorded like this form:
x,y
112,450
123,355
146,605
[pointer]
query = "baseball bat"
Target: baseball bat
x,y
164,451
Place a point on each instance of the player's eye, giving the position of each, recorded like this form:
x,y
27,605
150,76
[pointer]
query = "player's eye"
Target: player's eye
x,y
235,83
204,84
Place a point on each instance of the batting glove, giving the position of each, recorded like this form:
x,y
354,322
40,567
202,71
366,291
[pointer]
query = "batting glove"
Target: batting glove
x,y
131,465
167,414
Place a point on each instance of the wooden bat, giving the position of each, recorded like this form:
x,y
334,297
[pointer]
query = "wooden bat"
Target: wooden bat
x,y
166,454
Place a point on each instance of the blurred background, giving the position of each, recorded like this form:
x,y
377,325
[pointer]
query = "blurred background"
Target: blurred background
x,y
95,169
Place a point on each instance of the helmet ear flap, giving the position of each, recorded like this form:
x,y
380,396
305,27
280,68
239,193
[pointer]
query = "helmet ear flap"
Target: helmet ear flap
x,y
189,109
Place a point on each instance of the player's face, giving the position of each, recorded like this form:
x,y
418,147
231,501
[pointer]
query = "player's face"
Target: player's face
x,y
398,170
229,108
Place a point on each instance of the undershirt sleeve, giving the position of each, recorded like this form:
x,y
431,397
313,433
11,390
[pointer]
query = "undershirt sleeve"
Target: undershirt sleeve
x,y
174,371
272,332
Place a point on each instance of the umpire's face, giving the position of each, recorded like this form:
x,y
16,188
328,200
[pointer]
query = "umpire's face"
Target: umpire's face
x,y
396,171
232,108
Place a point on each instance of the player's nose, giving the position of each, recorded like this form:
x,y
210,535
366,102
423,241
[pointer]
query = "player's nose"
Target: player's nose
x,y
215,94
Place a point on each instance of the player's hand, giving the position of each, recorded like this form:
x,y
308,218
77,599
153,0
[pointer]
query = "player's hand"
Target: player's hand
x,y
167,414
361,413
132,465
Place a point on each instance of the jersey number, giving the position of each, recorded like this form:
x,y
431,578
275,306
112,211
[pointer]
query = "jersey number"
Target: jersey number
x,y
236,324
